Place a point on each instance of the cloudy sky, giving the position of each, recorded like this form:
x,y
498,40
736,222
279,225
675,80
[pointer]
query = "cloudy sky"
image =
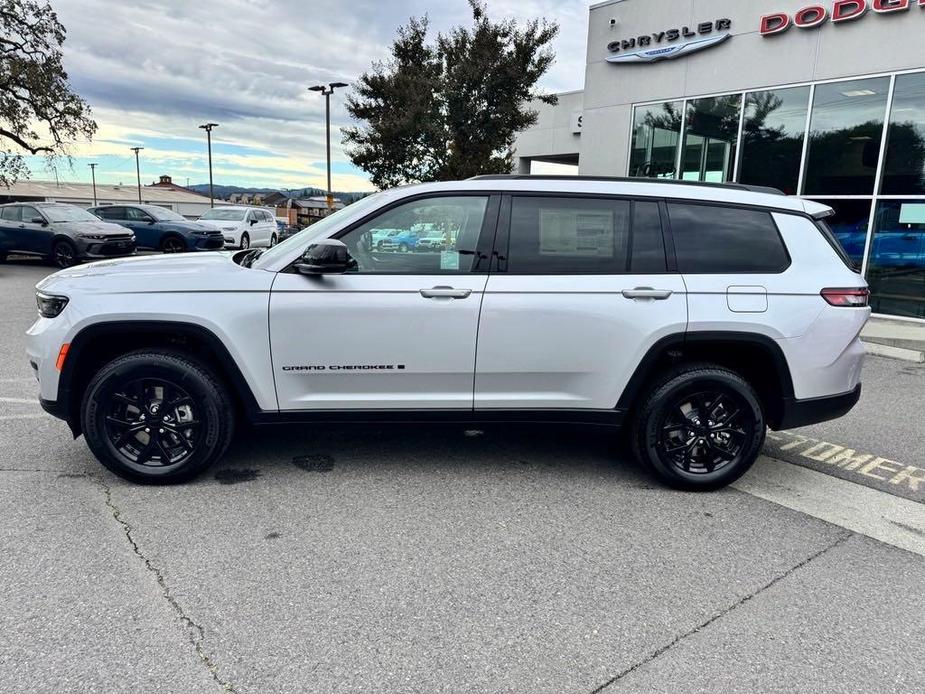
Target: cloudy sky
x,y
153,70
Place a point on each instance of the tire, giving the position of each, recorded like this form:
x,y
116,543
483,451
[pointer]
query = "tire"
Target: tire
x,y
379,245
64,254
130,393
403,248
2,257
273,241
669,435
245,241
173,244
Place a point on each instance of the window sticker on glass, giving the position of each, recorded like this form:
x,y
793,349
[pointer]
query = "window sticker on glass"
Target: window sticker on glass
x,y
449,260
569,232
912,213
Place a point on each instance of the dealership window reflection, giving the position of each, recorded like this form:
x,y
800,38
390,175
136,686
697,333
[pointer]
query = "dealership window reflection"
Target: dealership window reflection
x,y
772,138
710,137
896,267
904,165
849,226
656,134
845,134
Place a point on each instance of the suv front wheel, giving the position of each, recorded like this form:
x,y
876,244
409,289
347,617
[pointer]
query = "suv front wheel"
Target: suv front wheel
x,y
700,428
156,417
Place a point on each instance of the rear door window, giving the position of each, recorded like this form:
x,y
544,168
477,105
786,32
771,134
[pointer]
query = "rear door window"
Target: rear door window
x,y
111,212
576,235
713,239
11,214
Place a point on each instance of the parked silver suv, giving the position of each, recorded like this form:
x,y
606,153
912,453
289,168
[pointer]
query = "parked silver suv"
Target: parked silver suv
x,y
694,315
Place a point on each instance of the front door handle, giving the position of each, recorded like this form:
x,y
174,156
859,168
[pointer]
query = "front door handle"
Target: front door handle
x,y
647,293
445,293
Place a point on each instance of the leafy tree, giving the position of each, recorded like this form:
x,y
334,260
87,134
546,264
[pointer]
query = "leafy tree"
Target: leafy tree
x,y
449,109
38,111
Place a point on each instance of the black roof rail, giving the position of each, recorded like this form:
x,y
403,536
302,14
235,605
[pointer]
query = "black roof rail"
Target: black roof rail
x,y
618,179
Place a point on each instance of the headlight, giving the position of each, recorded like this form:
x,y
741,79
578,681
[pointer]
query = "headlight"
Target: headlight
x,y
50,306
93,237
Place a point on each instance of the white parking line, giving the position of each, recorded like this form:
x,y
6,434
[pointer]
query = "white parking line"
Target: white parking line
x,y
890,519
23,416
24,401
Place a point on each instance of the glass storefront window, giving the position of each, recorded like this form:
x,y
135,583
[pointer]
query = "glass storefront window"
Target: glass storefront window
x,y
896,268
656,134
845,134
710,138
904,169
772,138
849,226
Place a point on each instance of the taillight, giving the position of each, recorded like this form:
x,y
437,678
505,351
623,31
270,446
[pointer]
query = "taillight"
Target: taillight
x,y
847,297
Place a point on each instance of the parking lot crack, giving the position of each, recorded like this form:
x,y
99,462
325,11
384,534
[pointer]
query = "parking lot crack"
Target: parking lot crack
x,y
195,631
722,613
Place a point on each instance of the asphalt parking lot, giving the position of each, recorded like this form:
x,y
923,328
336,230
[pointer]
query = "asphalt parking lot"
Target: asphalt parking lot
x,y
398,559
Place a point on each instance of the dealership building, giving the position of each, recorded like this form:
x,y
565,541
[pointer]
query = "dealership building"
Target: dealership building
x,y
821,100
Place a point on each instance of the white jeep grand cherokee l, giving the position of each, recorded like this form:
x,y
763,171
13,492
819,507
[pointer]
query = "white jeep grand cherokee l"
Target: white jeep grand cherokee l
x,y
697,315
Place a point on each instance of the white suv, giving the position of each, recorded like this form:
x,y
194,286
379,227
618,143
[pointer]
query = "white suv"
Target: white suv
x,y
243,227
696,315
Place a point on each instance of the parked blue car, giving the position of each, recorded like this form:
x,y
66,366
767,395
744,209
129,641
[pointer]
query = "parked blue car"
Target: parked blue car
x,y
160,229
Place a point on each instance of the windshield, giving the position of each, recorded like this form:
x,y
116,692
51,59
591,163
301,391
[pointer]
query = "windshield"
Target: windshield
x,y
68,213
164,215
225,215
367,204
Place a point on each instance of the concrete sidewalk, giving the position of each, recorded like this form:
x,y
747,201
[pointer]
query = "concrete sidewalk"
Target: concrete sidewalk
x,y
895,338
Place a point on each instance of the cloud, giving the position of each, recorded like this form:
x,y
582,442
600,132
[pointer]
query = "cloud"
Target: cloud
x,y
153,71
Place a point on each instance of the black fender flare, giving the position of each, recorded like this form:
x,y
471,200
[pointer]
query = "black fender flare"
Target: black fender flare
x,y
647,367
67,407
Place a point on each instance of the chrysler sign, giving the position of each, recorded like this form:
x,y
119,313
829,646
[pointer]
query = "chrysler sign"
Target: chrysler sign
x,y
670,43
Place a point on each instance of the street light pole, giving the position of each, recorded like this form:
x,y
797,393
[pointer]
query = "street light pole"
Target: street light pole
x,y
326,91
208,128
93,176
136,150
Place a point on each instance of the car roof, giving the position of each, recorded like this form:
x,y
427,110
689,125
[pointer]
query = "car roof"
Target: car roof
x,y
641,187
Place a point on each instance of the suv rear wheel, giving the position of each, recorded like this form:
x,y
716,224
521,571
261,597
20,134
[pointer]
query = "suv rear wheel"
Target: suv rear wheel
x,y
700,428
156,417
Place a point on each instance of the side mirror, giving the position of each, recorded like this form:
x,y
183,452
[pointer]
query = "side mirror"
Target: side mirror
x,y
39,220
253,222
326,257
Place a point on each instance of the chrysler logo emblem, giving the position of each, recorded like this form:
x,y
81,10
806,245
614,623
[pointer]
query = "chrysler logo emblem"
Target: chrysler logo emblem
x,y
650,55
668,44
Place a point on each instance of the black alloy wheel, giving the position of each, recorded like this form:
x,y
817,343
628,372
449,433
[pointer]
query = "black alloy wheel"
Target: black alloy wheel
x,y
152,422
157,417
705,431
64,254
173,245
699,428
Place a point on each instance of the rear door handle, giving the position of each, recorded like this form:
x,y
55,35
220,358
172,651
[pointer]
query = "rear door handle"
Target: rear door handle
x,y
647,293
445,293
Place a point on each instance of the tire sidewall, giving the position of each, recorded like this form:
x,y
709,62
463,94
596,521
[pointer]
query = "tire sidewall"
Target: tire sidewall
x,y
652,416
208,405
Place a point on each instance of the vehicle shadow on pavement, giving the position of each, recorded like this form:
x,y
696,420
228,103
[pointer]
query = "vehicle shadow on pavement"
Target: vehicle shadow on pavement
x,y
316,449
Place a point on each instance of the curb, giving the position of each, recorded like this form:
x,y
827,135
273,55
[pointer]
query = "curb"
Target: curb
x,y
912,355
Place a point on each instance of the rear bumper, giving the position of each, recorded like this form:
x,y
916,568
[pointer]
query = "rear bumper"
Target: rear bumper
x,y
801,413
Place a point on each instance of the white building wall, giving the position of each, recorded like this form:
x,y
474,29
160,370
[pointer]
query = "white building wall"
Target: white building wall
x,y
875,43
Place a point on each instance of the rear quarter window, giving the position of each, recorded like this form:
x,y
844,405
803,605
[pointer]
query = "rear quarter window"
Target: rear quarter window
x,y
713,239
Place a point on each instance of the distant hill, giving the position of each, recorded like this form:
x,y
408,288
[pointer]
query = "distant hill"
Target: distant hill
x,y
224,192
